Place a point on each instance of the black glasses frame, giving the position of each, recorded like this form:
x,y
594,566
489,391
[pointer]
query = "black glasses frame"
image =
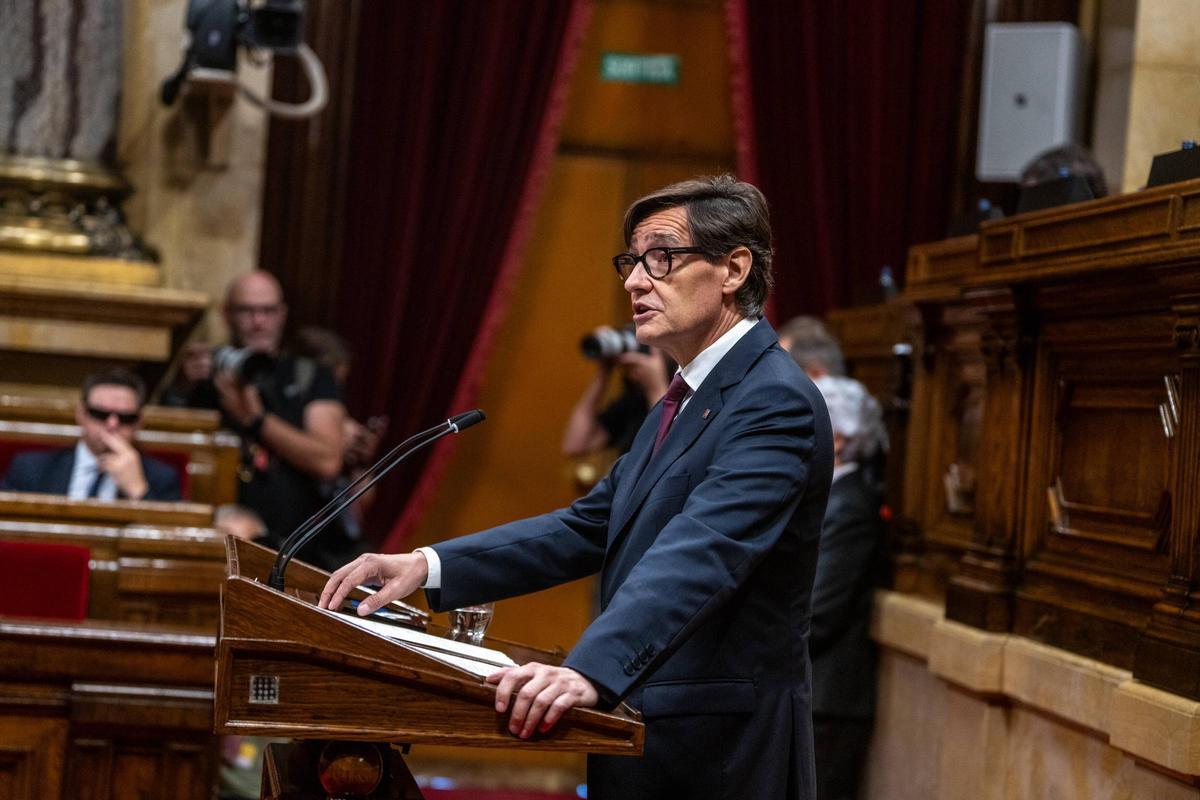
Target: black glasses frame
x,y
123,417
626,263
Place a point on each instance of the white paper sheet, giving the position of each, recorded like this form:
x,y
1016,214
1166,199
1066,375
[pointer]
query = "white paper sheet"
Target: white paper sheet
x,y
481,661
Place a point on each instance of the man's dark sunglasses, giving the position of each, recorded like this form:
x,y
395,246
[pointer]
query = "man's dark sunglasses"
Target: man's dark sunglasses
x,y
102,415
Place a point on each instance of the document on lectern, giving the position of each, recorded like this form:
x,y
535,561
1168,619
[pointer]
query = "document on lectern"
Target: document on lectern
x,y
481,661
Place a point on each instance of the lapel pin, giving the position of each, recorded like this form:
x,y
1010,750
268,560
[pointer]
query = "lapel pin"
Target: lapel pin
x,y
705,416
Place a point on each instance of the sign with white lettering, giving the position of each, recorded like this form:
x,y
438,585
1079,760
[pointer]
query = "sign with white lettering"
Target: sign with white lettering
x,y
640,68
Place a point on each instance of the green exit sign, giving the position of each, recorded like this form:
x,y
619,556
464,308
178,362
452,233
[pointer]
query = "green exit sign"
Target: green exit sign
x,y
640,68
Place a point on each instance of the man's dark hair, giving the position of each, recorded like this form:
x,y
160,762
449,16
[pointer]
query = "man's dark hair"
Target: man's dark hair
x,y
115,376
723,213
810,342
1064,161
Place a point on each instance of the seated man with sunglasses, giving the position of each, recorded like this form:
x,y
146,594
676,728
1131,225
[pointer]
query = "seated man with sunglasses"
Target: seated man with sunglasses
x,y
103,464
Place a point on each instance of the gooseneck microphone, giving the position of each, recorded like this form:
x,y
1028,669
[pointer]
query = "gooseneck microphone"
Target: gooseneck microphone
x,y
305,532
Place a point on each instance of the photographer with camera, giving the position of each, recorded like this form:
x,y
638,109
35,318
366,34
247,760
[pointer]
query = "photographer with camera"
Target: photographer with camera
x,y
646,373
288,410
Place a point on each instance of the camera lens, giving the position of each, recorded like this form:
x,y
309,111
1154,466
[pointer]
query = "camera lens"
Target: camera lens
x,y
250,366
606,342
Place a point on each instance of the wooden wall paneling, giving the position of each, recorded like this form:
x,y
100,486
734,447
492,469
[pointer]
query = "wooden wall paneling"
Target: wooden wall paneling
x,y
147,741
1087,507
1098,491
936,512
107,710
32,744
981,593
1168,654
690,120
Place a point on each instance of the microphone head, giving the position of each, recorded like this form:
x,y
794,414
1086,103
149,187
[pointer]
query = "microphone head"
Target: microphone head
x,y
466,419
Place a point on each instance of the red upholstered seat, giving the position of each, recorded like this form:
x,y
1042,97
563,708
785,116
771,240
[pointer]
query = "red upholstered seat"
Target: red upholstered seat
x,y
44,580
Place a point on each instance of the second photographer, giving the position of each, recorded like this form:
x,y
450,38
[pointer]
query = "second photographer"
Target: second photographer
x,y
288,410
645,372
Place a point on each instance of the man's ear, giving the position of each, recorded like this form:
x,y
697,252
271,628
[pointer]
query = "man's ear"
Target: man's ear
x,y
740,261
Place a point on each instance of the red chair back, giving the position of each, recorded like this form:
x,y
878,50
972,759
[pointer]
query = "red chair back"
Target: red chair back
x,y
49,581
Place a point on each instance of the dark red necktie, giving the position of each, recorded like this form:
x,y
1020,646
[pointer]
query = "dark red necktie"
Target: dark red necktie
x,y
671,400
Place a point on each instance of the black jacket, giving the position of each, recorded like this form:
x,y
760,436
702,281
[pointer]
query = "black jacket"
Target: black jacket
x,y
843,656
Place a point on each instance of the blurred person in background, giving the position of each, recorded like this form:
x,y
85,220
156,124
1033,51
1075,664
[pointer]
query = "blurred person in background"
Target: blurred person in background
x,y
849,566
812,347
591,428
104,464
289,412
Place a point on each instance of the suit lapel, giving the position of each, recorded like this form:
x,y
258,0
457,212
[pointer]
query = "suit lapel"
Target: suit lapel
x,y
690,423
702,408
58,476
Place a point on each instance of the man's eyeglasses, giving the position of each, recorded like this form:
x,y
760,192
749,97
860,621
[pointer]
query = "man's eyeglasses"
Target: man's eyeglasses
x,y
102,415
657,261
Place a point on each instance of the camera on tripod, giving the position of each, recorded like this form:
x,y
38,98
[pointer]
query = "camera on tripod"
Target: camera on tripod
x,y
607,342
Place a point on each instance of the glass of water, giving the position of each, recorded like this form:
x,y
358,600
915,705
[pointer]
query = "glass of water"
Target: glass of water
x,y
469,623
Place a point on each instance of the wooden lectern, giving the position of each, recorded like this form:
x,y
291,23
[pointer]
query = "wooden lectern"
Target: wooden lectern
x,y
287,668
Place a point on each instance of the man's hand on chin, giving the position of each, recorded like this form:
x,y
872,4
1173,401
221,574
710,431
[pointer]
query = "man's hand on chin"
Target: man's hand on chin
x,y
543,695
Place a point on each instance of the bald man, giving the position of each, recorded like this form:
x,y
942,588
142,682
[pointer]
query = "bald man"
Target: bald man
x,y
290,421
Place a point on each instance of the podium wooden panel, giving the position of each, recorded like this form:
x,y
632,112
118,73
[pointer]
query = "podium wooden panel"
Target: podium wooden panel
x,y
286,668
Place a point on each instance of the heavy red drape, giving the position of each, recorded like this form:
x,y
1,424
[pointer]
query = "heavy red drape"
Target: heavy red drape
x,y
845,117
456,112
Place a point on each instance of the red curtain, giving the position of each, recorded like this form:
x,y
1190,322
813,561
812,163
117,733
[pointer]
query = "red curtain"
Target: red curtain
x,y
456,112
845,115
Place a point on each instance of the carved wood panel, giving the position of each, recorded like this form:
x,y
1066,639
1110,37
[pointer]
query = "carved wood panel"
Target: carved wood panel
x,y
31,757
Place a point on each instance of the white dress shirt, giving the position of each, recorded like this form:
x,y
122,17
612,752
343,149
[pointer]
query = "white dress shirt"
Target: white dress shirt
x,y
693,374
83,474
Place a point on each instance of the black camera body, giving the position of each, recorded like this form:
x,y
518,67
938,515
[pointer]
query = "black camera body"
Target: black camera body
x,y
219,26
605,342
249,366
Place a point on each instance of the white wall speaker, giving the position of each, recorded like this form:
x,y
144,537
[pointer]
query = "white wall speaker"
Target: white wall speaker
x,y
1031,98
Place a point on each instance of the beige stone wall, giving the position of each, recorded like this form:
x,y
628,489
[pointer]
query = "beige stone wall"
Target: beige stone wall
x,y
967,715
1112,41
1164,101
197,167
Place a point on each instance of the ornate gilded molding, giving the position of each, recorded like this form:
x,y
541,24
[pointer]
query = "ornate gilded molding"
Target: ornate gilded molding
x,y
65,206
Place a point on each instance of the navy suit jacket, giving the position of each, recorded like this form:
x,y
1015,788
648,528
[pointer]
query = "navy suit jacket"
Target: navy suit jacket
x,y
49,472
706,553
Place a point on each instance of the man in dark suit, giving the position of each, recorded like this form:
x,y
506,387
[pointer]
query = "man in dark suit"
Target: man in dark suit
x,y
848,569
705,534
103,464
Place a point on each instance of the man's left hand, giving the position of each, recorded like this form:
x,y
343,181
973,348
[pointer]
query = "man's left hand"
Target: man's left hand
x,y
242,403
543,695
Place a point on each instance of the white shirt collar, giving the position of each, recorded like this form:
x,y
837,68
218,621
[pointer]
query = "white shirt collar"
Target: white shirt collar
x,y
696,371
83,474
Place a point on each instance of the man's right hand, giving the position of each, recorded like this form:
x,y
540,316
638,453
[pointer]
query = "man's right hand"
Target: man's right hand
x,y
401,575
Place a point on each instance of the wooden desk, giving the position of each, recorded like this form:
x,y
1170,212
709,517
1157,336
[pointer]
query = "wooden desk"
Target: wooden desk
x,y
156,563
1055,430
105,710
